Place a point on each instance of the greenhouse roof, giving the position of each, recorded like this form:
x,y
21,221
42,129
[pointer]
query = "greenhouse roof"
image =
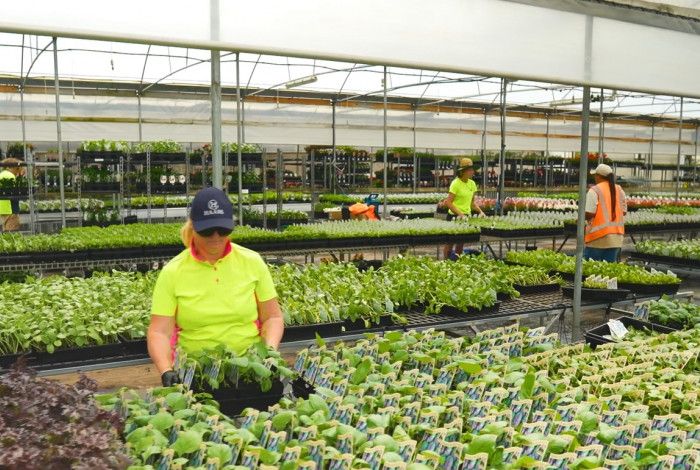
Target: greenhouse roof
x,y
101,67
624,45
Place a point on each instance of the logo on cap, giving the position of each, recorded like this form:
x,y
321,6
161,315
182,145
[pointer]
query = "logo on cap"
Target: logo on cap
x,y
213,206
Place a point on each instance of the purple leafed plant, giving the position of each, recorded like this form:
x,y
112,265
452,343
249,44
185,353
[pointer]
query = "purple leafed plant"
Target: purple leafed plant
x,y
50,426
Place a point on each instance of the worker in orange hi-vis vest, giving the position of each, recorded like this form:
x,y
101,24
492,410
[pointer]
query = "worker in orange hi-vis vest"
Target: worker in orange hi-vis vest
x,y
361,211
605,215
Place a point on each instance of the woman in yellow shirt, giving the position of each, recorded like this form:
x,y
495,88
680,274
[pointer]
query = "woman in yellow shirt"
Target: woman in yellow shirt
x,y
9,209
214,292
460,199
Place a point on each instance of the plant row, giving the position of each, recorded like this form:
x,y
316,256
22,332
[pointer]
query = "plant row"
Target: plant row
x,y
152,235
674,313
337,292
559,262
160,146
58,312
685,249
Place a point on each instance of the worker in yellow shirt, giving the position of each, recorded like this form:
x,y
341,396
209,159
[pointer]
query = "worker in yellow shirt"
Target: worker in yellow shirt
x,y
9,210
215,292
460,199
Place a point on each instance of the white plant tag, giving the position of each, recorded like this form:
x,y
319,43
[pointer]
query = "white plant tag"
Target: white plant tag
x,y
617,330
612,283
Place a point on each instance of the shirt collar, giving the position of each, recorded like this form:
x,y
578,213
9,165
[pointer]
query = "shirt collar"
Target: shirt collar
x,y
195,255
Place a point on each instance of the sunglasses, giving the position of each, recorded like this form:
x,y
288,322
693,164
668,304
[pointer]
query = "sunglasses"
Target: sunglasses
x,y
224,232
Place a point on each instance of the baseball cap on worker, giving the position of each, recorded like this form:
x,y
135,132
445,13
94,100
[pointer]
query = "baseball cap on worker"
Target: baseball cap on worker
x,y
211,208
602,170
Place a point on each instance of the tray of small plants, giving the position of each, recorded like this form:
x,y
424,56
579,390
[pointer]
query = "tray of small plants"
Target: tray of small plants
x,y
508,398
597,289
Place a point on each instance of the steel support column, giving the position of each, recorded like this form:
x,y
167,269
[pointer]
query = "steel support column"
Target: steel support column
x,y
239,140
385,213
217,167
502,155
581,222
546,158
59,139
678,156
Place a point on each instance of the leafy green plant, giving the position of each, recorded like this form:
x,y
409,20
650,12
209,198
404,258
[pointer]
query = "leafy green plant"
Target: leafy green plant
x,y
673,312
594,284
58,312
560,262
295,216
159,146
104,145
686,249
401,397
221,367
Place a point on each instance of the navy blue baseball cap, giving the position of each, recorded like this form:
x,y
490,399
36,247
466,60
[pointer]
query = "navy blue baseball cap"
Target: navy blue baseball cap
x,y
211,208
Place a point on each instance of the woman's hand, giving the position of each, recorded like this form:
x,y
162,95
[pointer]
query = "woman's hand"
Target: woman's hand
x,y
271,322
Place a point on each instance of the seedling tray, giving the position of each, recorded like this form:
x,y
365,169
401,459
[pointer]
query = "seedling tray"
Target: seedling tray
x,y
77,357
537,288
519,233
598,295
359,325
232,401
650,289
306,332
666,259
597,336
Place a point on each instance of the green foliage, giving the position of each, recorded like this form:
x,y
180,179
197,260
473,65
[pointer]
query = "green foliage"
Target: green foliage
x,y
559,262
57,312
221,367
678,313
373,395
685,249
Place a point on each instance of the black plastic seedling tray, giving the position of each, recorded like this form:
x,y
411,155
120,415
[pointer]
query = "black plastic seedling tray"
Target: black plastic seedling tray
x,y
597,336
601,295
306,332
233,400
537,289
650,289
79,357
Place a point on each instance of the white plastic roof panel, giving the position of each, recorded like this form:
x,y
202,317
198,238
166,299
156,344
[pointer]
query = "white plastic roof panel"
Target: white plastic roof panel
x,y
187,120
484,37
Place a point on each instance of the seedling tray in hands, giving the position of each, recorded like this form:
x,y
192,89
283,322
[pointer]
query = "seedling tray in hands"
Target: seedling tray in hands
x,y
233,400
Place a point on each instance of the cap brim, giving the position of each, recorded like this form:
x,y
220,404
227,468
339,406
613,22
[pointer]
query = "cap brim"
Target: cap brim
x,y
592,172
221,222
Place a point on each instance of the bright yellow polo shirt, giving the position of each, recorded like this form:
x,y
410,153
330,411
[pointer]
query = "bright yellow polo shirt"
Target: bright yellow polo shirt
x,y
6,204
214,304
464,194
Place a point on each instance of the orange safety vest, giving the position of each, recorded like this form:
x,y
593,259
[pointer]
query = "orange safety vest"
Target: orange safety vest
x,y
602,224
